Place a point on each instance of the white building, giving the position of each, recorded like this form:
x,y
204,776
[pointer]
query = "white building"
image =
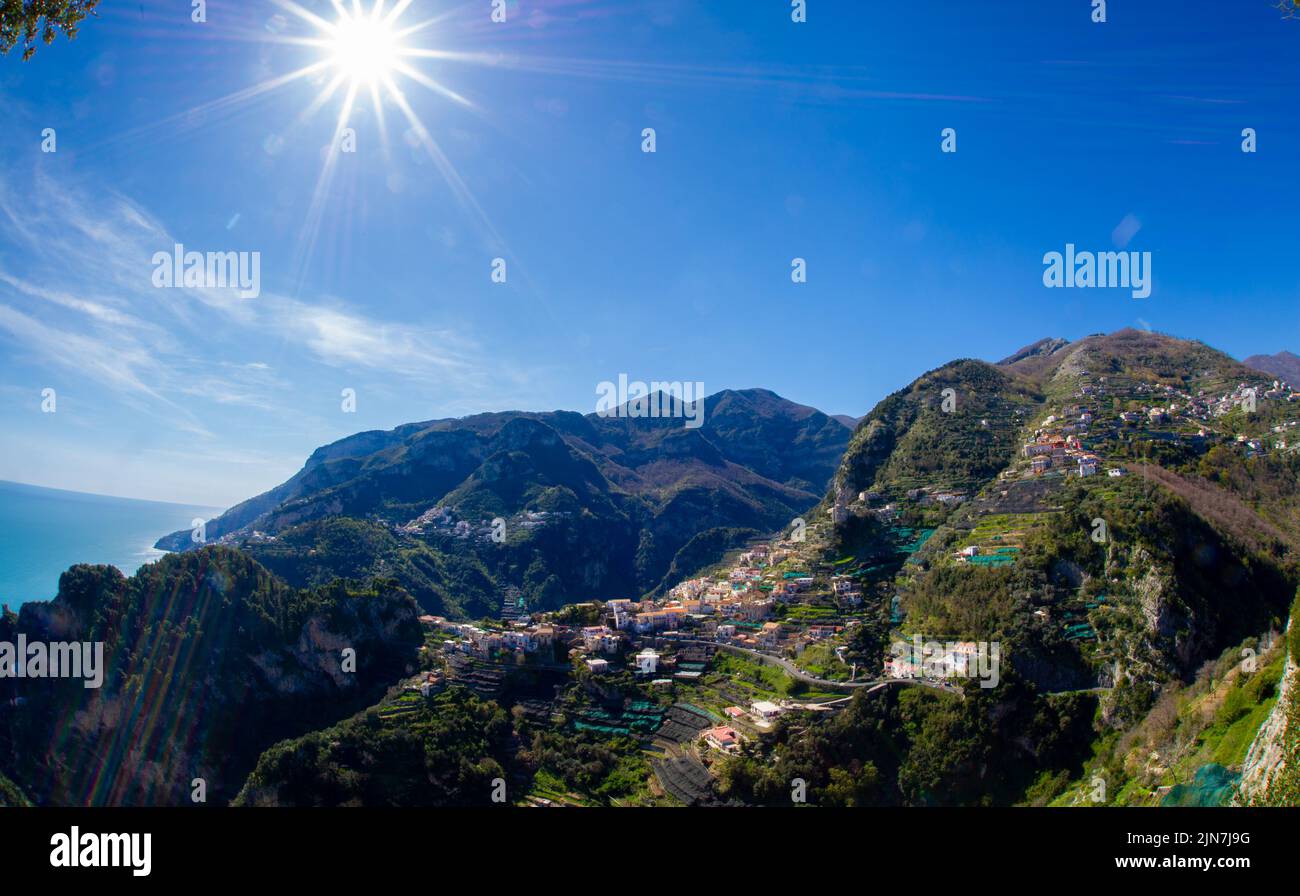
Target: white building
x,y
647,662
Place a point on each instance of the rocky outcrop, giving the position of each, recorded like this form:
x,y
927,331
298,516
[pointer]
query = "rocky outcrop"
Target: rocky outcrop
x,y
1270,755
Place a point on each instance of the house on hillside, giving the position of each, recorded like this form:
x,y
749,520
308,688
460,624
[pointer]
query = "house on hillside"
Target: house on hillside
x,y
723,738
770,635
599,639
647,662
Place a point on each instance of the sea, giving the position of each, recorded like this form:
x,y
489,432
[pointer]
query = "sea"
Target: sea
x,y
43,531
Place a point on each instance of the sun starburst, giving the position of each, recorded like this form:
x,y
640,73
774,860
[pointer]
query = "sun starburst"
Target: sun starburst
x,y
365,48
367,53
364,53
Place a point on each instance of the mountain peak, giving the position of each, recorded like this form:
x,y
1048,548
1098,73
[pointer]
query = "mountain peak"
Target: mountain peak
x,y
1283,365
1045,346
593,503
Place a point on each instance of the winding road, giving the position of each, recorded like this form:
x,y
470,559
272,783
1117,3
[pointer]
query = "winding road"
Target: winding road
x,y
873,684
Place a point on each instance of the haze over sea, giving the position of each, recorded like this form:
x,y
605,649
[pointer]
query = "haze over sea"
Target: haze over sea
x,y
43,531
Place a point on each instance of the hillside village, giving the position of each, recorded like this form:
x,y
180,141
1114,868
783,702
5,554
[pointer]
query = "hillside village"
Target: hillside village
x,y
698,671
782,599
1100,429
856,644
786,625
1061,443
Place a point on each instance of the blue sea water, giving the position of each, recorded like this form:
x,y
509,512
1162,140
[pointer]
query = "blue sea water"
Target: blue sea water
x,y
43,531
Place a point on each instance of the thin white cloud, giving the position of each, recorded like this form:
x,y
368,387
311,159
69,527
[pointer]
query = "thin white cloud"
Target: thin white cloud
x,y
162,345
345,339
67,300
130,371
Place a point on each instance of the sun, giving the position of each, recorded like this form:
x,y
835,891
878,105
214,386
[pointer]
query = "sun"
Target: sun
x,y
365,53
365,48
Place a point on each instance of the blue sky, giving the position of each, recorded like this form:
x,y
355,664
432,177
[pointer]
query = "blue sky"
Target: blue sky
x,y
775,140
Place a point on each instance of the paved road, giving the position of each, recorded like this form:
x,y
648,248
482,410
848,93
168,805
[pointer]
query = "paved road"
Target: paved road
x,y
798,674
872,684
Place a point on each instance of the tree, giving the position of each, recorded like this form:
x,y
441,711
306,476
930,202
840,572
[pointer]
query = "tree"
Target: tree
x,y
22,21
852,787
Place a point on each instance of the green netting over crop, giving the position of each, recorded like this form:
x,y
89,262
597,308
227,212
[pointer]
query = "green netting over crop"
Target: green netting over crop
x,y
1212,786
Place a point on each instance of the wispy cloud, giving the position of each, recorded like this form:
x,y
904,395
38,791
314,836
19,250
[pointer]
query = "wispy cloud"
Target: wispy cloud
x,y
345,338
77,291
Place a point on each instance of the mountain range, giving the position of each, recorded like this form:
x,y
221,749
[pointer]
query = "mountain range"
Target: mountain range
x,y
589,506
1118,513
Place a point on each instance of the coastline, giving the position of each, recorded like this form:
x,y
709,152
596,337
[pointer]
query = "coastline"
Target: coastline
x,y
45,531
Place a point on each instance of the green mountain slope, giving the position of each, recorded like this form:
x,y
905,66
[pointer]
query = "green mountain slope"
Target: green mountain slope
x,y
954,426
589,506
445,751
1123,606
1121,586
10,795
208,659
